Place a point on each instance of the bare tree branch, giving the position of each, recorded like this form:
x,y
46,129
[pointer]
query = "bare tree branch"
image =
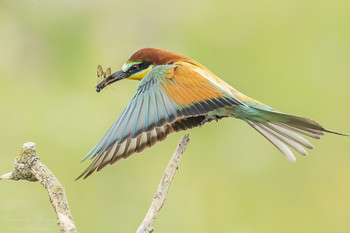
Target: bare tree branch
x,y
162,191
28,167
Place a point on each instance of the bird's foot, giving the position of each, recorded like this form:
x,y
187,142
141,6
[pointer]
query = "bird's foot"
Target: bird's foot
x,y
206,119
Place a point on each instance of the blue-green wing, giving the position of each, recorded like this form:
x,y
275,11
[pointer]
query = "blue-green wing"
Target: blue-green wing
x,y
165,102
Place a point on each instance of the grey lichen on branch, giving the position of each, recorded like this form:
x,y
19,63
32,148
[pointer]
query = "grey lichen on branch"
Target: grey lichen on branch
x,y
28,167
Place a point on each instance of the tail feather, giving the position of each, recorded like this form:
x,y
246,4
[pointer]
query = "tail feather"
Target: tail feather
x,y
290,134
275,141
283,130
290,142
301,131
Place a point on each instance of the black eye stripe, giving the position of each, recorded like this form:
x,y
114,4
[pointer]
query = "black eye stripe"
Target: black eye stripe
x,y
138,67
144,65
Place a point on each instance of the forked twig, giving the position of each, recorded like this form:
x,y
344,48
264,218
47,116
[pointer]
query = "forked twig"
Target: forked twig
x,y
28,167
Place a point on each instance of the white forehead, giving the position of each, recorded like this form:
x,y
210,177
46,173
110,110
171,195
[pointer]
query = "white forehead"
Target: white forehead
x,y
127,66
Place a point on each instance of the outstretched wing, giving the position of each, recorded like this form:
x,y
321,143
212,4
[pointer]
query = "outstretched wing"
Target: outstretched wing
x,y
168,99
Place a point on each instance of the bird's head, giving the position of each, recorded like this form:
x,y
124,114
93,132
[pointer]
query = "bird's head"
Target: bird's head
x,y
140,64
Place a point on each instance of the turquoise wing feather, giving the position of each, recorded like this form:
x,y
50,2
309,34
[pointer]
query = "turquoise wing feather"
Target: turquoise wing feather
x,y
154,112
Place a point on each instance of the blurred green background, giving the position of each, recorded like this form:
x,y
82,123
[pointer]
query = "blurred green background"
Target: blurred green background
x,y
292,55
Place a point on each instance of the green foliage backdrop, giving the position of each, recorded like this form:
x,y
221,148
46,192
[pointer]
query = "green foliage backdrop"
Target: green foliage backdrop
x,y
292,55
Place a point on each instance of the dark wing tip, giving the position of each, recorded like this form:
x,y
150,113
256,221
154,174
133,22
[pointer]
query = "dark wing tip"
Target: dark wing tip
x,y
89,170
81,175
86,173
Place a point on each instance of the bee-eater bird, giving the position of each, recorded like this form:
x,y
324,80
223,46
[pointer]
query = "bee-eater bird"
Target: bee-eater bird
x,y
176,93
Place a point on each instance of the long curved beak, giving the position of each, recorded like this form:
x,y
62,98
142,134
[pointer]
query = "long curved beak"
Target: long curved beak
x,y
119,75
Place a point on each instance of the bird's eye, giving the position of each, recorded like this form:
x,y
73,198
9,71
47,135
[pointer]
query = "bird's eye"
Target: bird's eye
x,y
134,68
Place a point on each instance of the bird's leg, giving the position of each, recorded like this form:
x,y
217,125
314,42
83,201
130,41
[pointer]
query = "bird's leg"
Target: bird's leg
x,y
206,119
